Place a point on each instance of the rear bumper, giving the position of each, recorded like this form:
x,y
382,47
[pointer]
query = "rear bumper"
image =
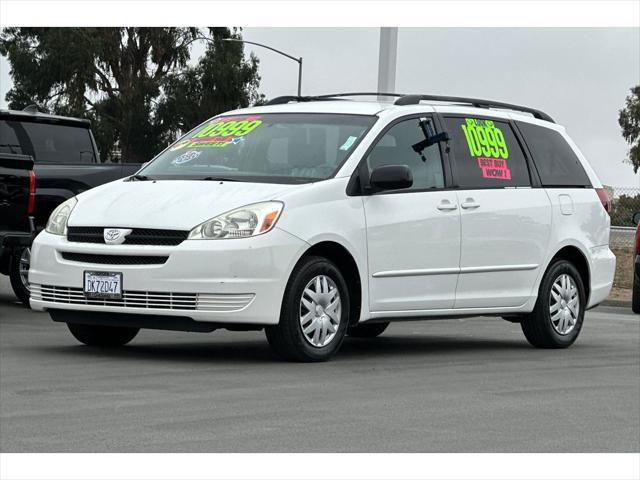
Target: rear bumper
x,y
603,268
221,281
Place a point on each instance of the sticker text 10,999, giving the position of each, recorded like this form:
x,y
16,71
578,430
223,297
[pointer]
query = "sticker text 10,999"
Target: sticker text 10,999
x,y
484,139
234,128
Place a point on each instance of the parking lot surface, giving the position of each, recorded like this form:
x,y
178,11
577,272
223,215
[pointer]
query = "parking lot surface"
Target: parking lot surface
x,y
439,386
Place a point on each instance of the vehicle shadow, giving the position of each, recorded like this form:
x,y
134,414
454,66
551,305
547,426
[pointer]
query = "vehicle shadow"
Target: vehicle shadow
x,y
258,351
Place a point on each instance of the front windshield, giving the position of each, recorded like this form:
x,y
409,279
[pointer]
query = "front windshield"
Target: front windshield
x,y
273,147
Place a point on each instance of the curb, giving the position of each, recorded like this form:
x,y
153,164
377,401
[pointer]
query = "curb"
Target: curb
x,y
616,303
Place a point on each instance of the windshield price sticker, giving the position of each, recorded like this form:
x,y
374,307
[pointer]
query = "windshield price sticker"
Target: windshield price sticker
x,y
221,132
487,144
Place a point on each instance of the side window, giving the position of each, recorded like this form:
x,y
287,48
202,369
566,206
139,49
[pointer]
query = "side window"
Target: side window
x,y
9,141
555,160
47,142
396,148
487,154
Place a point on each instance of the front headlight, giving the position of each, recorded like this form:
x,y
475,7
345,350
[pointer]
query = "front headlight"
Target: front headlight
x,y
247,221
57,223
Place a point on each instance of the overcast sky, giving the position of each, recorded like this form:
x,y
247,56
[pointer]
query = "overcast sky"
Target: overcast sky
x,y
579,76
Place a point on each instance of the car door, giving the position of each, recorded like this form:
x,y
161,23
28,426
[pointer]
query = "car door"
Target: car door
x,y
506,221
413,235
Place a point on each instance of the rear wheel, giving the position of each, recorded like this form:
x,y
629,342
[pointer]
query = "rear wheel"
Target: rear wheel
x,y
314,314
557,318
100,336
368,330
19,274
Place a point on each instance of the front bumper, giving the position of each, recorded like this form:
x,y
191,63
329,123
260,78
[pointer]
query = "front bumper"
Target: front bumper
x,y
227,281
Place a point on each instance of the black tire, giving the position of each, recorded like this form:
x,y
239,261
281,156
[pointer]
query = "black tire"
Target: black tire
x,y
367,330
537,326
287,338
635,295
100,336
17,284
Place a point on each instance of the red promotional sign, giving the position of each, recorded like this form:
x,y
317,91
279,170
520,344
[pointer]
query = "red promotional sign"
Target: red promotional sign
x,y
494,168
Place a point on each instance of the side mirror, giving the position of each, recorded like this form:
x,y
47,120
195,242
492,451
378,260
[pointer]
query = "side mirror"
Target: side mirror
x,y
15,161
636,218
391,177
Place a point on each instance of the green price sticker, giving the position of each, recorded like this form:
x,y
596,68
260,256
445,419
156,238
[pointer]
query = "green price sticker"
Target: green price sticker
x,y
484,139
234,128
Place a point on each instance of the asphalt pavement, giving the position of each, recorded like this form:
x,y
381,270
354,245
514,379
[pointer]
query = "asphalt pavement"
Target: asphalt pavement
x,y
470,385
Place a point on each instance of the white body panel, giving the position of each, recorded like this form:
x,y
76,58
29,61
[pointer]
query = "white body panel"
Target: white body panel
x,y
413,249
413,260
504,241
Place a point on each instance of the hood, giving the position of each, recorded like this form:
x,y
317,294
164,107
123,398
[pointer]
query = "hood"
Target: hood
x,y
167,204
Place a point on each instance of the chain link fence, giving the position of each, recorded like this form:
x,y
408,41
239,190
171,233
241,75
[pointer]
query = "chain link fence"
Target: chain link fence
x,y
626,201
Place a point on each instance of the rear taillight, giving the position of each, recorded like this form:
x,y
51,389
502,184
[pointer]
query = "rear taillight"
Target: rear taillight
x,y
604,199
32,192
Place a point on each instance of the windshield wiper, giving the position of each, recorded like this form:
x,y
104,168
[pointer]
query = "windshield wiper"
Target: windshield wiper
x,y
220,179
140,178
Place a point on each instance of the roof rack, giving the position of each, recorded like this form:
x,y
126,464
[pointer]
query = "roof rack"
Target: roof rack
x,y
476,102
333,96
414,100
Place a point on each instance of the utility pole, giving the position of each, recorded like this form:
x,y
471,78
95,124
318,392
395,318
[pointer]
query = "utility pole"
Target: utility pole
x,y
387,59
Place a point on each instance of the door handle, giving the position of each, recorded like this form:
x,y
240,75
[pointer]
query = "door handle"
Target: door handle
x,y
447,206
469,203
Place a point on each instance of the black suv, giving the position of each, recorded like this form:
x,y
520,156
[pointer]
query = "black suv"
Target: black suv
x,y
66,163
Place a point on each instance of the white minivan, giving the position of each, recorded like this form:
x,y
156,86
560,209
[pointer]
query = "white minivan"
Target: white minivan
x,y
319,217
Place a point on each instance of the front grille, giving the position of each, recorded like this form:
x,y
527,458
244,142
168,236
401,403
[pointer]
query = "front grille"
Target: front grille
x,y
115,259
210,302
139,236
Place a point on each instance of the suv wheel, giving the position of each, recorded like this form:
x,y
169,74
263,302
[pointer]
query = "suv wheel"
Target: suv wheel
x,y
314,314
101,336
19,275
557,318
367,330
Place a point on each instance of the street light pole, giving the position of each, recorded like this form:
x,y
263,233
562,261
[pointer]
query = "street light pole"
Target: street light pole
x,y
295,59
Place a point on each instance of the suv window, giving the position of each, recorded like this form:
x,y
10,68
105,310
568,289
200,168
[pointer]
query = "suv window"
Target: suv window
x,y
555,160
396,148
487,153
47,143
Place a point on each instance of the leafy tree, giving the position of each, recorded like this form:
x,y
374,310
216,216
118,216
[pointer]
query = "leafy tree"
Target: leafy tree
x,y
125,80
217,83
629,121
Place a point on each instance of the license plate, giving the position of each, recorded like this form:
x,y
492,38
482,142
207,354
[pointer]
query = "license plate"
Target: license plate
x,y
103,284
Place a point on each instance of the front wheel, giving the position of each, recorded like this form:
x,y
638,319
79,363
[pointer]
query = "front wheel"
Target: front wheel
x,y
101,336
557,318
19,275
314,314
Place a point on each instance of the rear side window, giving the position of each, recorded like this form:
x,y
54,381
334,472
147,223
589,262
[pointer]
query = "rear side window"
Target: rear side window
x,y
47,143
555,160
487,154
